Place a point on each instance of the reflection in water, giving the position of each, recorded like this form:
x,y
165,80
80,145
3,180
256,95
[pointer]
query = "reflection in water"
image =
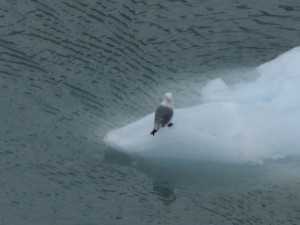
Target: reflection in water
x,y
162,176
164,191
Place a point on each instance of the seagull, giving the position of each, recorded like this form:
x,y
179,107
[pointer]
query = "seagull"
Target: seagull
x,y
163,113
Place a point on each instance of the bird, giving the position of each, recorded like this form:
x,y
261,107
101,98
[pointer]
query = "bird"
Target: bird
x,y
163,113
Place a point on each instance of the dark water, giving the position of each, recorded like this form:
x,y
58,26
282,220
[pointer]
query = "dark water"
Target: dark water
x,y
70,71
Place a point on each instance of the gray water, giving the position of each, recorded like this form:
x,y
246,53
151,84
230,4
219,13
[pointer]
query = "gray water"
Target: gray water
x,y
73,70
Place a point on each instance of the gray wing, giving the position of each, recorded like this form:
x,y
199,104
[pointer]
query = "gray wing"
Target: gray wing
x,y
163,116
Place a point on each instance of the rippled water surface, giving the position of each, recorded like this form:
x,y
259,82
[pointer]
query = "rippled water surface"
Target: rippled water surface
x,y
70,71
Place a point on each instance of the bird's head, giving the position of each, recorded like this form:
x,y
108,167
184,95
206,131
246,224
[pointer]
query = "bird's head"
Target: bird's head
x,y
168,99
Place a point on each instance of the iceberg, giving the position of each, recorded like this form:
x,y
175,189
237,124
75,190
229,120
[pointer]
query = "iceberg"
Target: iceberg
x,y
246,123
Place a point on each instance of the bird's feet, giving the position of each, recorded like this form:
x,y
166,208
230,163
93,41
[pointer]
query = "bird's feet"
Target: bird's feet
x,y
170,124
153,132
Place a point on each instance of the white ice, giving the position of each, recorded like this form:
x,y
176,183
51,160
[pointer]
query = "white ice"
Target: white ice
x,y
250,122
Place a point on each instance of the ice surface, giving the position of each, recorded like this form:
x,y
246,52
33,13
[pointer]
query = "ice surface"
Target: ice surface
x,y
250,122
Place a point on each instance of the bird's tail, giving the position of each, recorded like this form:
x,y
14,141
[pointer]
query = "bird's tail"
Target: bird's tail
x,y
153,132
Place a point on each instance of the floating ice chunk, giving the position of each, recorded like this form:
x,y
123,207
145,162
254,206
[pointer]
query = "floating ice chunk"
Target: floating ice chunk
x,y
250,122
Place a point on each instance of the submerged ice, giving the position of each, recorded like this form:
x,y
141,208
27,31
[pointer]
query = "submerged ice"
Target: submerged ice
x,y
250,122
